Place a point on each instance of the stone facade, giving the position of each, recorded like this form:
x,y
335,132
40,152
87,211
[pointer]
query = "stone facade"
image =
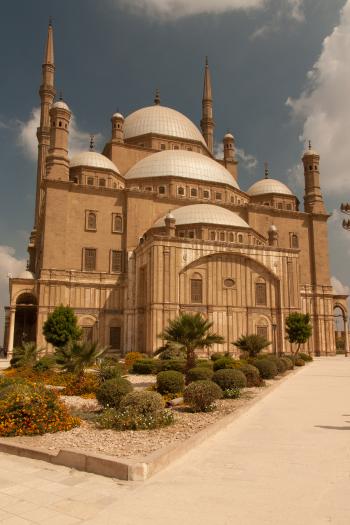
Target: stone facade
x,y
155,225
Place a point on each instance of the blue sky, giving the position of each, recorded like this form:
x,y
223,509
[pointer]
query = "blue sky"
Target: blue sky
x,y
280,71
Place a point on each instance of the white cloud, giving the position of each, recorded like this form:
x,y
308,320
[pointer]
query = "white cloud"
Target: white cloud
x,y
9,264
338,287
78,139
324,110
291,9
174,9
249,161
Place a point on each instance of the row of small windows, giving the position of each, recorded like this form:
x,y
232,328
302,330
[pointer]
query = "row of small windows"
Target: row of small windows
x,y
90,260
279,205
196,289
194,192
213,235
91,221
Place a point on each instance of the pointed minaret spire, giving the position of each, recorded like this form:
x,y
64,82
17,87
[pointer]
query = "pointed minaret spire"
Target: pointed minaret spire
x,y
157,98
207,122
49,53
267,173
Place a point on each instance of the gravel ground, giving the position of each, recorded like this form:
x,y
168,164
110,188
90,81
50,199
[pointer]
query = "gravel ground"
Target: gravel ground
x,y
131,444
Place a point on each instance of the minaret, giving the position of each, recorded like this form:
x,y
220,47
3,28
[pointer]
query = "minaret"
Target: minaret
x,y
57,162
207,122
313,200
47,94
229,148
117,127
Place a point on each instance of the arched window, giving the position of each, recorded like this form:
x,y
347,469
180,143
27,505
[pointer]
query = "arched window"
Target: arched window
x,y
294,241
196,288
102,183
90,181
117,223
181,190
231,237
91,221
240,237
193,192
260,293
161,190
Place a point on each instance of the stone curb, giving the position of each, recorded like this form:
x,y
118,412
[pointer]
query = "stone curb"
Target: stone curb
x,y
142,469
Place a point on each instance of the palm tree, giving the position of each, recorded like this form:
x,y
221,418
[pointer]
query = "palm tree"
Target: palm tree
x,y
25,355
76,357
190,332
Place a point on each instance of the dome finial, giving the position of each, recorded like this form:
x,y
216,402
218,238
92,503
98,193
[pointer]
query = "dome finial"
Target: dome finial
x,y
267,173
92,142
61,95
157,98
310,144
206,61
50,21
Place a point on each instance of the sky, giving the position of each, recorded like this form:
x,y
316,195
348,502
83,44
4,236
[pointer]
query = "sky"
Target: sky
x,y
280,72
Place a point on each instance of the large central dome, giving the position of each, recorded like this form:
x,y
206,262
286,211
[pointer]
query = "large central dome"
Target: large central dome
x,y
181,163
163,121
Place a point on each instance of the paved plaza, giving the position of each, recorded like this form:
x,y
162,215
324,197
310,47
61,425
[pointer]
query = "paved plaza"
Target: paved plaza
x,y
286,461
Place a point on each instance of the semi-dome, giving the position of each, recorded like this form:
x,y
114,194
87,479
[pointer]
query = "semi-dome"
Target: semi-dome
x,y
204,214
181,163
92,159
26,275
268,186
163,121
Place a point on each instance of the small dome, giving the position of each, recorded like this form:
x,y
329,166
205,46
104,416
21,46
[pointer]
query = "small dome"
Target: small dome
x,y
310,152
118,115
170,215
163,121
26,275
268,186
181,163
92,159
60,104
229,136
272,228
204,214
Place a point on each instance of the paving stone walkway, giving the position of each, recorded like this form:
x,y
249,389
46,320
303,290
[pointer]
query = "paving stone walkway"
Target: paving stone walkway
x,y
286,461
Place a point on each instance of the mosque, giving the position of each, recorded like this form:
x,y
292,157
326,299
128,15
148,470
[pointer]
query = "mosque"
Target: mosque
x,y
156,225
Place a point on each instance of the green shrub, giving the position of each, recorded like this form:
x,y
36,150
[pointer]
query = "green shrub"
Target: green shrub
x,y
199,374
252,374
127,419
306,357
281,365
216,355
111,392
251,344
204,363
131,358
223,362
143,402
28,409
45,363
107,371
299,362
266,367
170,382
228,378
145,366
172,364
200,395
232,393
166,352
288,362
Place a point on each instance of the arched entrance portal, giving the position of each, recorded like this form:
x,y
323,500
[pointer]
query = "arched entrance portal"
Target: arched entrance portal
x,y
25,319
341,329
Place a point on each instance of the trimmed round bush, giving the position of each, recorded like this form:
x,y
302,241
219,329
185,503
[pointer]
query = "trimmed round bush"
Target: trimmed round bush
x,y
228,379
266,367
288,362
200,395
143,402
199,373
127,419
252,374
281,365
223,362
170,382
204,363
111,392
305,357
145,366
216,355
28,409
299,362
178,365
